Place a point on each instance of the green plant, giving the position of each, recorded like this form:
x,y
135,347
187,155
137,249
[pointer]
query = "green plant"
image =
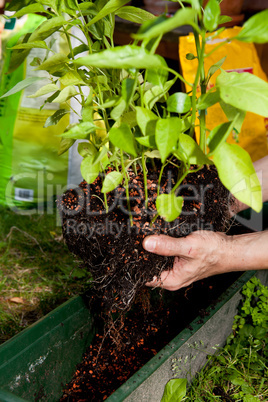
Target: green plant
x,y
238,372
130,117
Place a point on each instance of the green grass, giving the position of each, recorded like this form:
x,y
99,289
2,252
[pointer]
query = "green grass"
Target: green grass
x,y
229,377
37,271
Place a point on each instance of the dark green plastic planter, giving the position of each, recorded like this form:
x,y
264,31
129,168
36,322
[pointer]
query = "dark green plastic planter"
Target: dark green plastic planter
x,y
35,364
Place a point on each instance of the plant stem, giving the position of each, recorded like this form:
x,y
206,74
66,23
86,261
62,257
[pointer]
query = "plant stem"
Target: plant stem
x,y
144,168
203,91
126,185
159,178
181,78
187,171
85,31
200,74
217,47
105,202
154,218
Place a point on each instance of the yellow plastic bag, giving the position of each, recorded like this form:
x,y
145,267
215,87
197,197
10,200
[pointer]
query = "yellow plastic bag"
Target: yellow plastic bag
x,y
241,57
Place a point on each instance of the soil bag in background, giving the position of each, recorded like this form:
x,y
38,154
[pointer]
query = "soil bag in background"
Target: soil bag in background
x,y
31,171
241,57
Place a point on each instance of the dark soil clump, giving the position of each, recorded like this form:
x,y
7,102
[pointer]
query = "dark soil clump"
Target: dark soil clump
x,y
112,249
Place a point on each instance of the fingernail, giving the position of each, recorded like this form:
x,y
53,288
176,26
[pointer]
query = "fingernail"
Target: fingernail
x,y
150,244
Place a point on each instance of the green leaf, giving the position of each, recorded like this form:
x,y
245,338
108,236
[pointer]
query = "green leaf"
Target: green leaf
x,y
71,4
153,154
111,181
134,14
123,138
215,67
97,32
148,141
244,91
224,18
237,173
158,76
31,9
86,149
110,7
30,45
148,25
182,17
128,89
14,5
47,28
255,29
89,170
175,390
119,109
71,78
169,208
237,380
55,118
51,98
65,94
155,93
128,56
166,136
179,102
189,148
207,100
54,63
211,15
145,118
186,124
102,156
250,398
232,112
65,144
219,135
129,118
21,85
87,5
79,49
80,131
46,89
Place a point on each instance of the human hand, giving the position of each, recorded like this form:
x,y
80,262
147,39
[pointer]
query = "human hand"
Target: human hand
x,y
197,256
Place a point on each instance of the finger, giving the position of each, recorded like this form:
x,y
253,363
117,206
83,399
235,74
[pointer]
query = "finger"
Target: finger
x,y
174,279
166,281
156,282
165,245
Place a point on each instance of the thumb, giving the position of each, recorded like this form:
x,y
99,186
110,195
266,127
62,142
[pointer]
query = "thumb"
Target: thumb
x,y
163,245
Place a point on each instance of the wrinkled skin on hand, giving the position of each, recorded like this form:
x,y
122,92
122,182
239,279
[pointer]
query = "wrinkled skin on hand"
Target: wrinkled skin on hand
x,y
197,256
